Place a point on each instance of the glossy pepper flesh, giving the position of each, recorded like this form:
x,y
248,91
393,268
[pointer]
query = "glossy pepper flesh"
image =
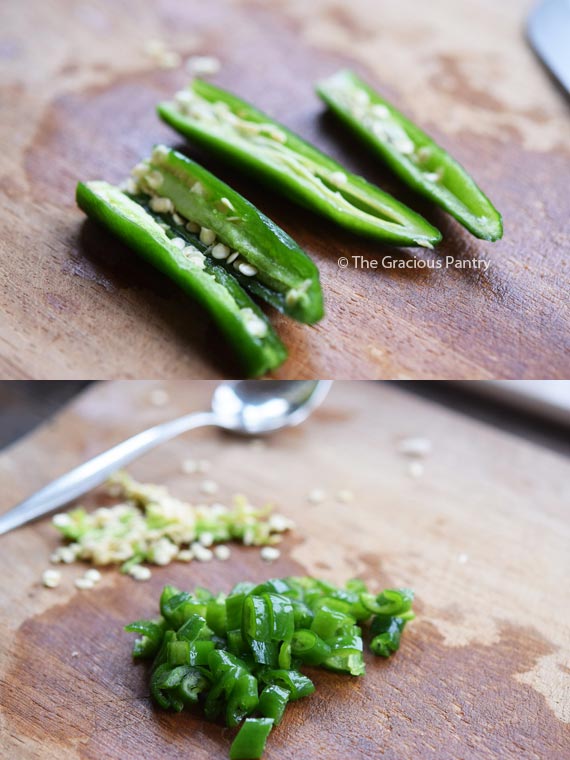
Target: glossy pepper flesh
x,y
234,130
411,153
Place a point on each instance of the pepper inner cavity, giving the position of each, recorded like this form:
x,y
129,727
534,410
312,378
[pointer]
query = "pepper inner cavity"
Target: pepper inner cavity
x,y
148,178
378,118
269,140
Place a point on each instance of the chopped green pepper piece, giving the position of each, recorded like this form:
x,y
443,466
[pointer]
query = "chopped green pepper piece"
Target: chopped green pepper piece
x,y
273,701
242,701
411,153
234,130
249,744
237,316
216,616
387,632
296,683
309,648
149,643
178,653
191,686
160,684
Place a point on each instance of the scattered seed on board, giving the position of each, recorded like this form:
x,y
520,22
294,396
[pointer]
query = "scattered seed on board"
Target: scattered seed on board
x,y
162,57
189,466
192,466
203,65
84,584
316,496
280,523
202,553
415,447
185,555
140,573
93,575
269,554
209,487
463,559
51,578
61,520
345,496
206,539
416,469
222,552
159,397
63,554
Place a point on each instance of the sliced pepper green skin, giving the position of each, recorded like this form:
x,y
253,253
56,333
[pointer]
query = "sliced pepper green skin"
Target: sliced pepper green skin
x,y
218,292
249,744
301,172
456,192
281,264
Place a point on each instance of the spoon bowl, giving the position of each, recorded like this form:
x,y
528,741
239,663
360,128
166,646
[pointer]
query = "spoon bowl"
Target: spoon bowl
x,y
257,407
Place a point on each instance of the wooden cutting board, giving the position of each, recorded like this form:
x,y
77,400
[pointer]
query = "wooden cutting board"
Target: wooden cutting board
x,y
80,93
482,537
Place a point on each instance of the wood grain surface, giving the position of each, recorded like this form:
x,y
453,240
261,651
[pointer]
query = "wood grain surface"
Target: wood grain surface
x,y
482,537
79,91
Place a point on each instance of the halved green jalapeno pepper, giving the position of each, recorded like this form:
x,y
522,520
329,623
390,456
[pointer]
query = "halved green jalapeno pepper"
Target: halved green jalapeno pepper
x,y
238,317
236,235
411,154
236,131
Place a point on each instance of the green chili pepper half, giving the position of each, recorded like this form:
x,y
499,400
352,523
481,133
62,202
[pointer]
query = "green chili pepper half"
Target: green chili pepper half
x,y
410,153
238,656
172,252
235,234
234,130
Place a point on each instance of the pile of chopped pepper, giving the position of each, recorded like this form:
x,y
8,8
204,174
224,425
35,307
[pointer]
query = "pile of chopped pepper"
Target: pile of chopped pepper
x,y
239,656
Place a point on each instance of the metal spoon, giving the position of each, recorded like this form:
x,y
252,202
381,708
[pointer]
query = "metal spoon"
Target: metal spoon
x,y
248,407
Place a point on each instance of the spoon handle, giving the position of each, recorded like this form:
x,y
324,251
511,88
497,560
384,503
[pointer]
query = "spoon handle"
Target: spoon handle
x,y
95,471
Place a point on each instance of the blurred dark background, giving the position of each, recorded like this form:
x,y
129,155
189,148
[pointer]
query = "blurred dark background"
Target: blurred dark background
x,y
26,404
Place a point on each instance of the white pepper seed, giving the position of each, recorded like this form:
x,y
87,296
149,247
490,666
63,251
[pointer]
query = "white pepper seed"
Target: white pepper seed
x,y
247,270
269,554
84,584
220,251
222,552
51,578
208,237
